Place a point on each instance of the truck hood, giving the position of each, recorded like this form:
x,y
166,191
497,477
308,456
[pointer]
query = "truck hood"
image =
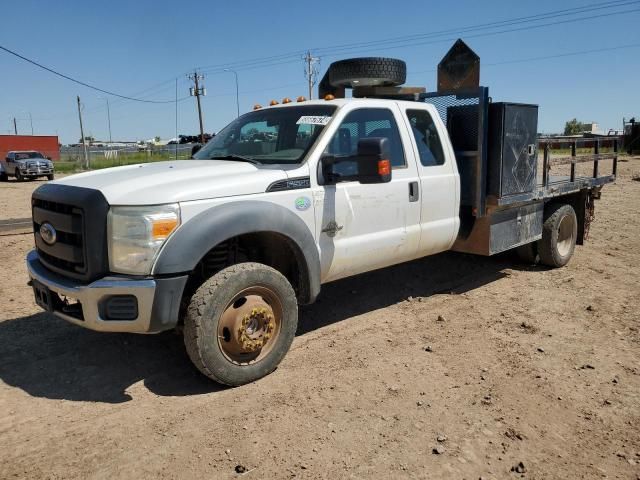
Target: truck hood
x,y
176,181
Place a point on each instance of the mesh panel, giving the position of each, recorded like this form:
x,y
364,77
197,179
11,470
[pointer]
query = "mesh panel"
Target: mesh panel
x,y
460,115
465,115
376,125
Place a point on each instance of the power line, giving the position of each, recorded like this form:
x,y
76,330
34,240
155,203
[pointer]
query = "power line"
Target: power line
x,y
410,40
544,57
486,34
67,77
482,26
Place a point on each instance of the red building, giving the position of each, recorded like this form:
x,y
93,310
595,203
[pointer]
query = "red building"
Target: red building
x,y
46,144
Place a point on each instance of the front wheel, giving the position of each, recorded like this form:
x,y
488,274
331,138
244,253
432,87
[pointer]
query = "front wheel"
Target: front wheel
x,y
3,177
50,177
19,176
559,234
240,323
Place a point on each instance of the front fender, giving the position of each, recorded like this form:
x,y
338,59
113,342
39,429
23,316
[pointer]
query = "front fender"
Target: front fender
x,y
193,240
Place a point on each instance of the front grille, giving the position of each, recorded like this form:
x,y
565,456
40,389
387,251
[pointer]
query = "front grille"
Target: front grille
x,y
79,217
68,251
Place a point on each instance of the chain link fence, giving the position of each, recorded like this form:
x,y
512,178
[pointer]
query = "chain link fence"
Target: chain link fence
x,y
72,157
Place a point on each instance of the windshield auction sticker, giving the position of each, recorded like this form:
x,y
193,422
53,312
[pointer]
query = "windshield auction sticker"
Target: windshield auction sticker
x,y
313,120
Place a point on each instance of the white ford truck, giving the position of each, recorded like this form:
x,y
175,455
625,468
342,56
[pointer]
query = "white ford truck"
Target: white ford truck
x,y
289,197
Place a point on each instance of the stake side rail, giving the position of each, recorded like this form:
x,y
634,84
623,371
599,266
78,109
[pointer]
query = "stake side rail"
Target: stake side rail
x,y
550,185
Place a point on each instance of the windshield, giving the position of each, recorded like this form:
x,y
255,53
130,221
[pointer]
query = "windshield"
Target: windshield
x,y
24,155
274,135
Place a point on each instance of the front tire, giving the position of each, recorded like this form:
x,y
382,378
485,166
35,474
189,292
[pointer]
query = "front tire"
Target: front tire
x,y
19,177
240,323
50,177
559,234
3,177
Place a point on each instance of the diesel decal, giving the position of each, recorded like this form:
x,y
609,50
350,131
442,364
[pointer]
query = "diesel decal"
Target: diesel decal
x,y
290,184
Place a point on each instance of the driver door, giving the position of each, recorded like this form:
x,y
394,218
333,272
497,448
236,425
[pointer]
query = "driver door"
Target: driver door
x,y
363,227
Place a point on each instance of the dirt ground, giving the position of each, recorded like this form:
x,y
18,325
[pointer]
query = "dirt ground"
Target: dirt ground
x,y
525,365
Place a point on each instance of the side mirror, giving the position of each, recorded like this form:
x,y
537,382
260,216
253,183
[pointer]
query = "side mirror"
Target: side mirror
x,y
195,149
370,165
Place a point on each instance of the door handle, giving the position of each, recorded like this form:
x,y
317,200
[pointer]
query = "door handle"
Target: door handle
x,y
414,192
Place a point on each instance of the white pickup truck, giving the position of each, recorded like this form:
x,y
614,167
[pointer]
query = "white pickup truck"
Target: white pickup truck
x,y
284,199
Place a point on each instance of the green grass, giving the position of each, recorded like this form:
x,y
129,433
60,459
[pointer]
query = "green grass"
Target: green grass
x,y
71,166
579,151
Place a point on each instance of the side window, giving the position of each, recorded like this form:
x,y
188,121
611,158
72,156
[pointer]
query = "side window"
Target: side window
x,y
427,138
367,123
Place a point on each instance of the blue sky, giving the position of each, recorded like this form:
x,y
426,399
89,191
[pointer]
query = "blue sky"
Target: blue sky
x,y
140,48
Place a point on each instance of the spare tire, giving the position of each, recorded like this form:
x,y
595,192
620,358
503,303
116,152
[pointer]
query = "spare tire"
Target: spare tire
x,y
368,72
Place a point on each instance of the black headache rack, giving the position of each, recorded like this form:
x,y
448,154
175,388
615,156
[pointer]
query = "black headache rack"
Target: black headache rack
x,y
503,185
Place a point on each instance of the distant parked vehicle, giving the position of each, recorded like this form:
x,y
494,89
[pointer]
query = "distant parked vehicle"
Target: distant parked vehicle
x,y
25,165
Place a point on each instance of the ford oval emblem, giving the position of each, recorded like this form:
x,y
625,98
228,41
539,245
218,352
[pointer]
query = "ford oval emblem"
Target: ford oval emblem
x,y
48,233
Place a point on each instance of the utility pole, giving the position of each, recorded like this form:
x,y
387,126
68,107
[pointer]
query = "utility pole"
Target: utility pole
x,y
109,121
15,126
31,122
84,144
311,70
198,91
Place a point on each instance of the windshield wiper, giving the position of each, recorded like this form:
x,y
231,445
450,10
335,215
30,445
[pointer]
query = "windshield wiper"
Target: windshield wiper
x,y
238,158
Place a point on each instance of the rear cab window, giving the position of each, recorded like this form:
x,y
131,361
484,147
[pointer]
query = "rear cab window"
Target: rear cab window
x,y
425,133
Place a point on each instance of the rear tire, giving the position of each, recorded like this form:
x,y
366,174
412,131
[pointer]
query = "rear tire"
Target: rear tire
x,y
227,333
559,234
3,177
368,71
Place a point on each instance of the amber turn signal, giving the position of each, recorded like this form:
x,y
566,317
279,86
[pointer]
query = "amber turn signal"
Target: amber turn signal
x,y
384,167
301,99
328,96
163,227
286,100
257,106
273,102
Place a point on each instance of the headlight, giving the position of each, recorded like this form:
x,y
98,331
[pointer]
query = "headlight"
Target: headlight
x,y
136,235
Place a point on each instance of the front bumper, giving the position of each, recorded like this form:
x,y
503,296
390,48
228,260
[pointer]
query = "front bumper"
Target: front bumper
x,y
36,172
158,300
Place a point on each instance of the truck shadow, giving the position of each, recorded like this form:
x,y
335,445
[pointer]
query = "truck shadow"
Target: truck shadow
x,y
48,358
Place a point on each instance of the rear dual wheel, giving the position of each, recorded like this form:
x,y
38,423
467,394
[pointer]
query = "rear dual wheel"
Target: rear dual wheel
x,y
559,235
240,323
558,242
